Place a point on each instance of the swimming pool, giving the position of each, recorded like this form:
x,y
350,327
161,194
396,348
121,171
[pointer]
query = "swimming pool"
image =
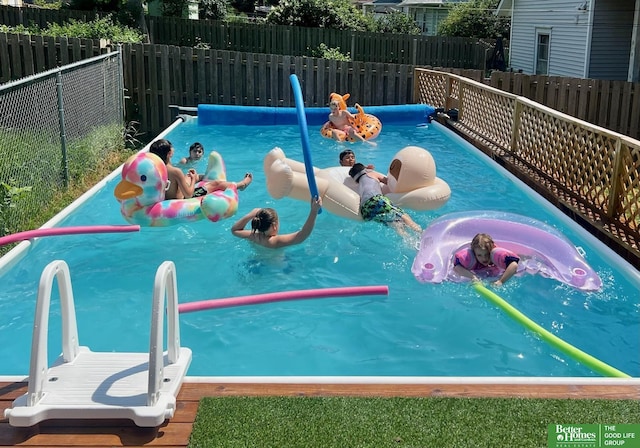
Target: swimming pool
x,y
418,330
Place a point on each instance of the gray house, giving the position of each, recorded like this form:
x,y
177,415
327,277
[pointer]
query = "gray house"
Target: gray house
x,y
597,39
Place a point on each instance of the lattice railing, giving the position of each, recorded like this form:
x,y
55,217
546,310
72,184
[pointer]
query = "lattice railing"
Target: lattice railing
x,y
595,170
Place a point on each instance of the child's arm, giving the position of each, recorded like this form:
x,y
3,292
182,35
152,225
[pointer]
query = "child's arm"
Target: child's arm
x,y
464,272
186,183
507,274
238,228
298,237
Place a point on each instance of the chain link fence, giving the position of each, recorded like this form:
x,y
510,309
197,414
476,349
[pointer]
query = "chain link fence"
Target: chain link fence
x,y
54,127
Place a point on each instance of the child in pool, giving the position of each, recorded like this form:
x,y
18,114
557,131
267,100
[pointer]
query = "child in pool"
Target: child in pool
x,y
265,226
196,151
182,185
484,255
341,120
374,206
348,158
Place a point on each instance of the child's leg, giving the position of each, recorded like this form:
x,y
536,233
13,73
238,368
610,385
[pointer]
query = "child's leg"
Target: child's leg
x,y
411,223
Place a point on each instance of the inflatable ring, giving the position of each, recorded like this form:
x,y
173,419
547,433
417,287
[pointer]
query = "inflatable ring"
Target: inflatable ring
x,y
142,188
542,249
366,125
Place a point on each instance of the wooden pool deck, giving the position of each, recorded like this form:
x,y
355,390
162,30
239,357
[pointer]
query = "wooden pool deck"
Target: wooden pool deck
x,y
175,432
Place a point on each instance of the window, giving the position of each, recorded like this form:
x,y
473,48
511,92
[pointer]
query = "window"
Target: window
x,y
542,52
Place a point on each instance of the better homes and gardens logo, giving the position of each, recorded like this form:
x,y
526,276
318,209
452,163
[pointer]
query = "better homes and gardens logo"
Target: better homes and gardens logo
x,y
594,436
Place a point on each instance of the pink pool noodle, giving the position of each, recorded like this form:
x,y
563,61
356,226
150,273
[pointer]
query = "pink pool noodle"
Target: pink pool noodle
x,y
284,295
53,231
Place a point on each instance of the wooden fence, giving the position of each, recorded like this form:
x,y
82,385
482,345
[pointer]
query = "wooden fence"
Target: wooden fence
x,y
157,76
285,40
12,16
24,55
590,172
190,76
613,105
458,52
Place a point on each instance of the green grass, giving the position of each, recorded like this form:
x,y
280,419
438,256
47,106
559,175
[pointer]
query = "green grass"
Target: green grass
x,y
394,422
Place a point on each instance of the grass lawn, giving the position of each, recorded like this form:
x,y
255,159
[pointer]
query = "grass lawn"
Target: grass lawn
x,y
395,422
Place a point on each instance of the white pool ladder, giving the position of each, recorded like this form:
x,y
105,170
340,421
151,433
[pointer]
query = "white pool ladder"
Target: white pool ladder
x,y
82,384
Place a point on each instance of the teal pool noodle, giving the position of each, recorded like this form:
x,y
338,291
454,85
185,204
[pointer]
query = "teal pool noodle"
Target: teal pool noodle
x,y
593,363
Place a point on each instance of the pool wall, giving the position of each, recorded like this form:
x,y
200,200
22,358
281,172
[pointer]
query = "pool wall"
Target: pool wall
x,y
211,114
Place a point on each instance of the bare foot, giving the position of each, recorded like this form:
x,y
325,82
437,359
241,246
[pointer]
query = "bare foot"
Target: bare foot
x,y
248,178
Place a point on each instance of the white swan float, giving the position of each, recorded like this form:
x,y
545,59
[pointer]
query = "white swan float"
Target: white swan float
x,y
412,182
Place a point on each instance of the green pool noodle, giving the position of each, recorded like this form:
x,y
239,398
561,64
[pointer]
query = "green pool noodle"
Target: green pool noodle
x,y
593,363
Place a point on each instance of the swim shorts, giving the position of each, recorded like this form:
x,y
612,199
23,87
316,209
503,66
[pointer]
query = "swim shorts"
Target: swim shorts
x,y
200,191
380,209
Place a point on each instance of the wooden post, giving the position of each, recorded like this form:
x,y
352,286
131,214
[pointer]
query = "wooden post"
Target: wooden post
x,y
615,192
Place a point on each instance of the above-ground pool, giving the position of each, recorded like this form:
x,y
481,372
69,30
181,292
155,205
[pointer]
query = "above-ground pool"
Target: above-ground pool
x,y
419,329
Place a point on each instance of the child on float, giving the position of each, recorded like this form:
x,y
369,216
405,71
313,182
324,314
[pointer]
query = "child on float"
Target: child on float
x,y
483,256
341,120
374,206
265,226
181,185
196,151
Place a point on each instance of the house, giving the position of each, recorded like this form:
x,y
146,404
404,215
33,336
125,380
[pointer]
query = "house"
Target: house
x,y
597,39
427,13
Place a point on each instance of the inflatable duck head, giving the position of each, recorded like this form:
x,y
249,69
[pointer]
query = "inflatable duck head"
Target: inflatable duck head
x,y
340,99
144,181
412,167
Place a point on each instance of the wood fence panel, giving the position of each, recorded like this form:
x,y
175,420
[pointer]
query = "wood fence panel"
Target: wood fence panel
x,y
614,113
625,108
188,92
634,128
15,59
27,55
605,103
51,53
250,80
321,81
5,67
584,98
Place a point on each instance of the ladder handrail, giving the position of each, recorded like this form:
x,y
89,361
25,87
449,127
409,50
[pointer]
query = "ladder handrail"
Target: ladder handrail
x,y
164,286
59,270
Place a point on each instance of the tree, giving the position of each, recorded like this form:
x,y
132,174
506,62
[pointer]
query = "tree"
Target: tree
x,y
212,9
475,18
338,14
397,22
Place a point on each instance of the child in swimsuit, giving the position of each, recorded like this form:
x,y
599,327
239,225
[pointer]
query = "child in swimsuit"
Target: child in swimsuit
x,y
483,256
181,185
265,226
374,206
196,151
341,121
348,158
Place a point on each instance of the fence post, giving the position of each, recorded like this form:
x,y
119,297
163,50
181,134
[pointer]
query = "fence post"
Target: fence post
x,y
63,135
515,126
415,51
353,46
121,83
615,191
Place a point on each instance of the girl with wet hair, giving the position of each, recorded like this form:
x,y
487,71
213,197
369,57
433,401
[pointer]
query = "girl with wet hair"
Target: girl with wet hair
x,y
265,226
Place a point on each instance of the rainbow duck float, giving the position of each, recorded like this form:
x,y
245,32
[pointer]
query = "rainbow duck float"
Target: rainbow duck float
x,y
367,125
141,194
412,182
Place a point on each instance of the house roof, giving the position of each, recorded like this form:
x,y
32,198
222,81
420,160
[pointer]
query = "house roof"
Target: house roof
x,y
430,2
504,8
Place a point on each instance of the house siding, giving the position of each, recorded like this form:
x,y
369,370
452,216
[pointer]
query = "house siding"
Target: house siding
x,y
611,39
568,36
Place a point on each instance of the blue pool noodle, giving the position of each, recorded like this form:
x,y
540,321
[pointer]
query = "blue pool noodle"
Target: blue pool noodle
x,y
304,135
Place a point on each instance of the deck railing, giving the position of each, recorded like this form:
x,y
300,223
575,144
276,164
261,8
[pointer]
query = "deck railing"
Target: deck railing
x,y
587,170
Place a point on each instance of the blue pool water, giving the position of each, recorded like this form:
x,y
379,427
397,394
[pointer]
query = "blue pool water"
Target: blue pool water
x,y
418,330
